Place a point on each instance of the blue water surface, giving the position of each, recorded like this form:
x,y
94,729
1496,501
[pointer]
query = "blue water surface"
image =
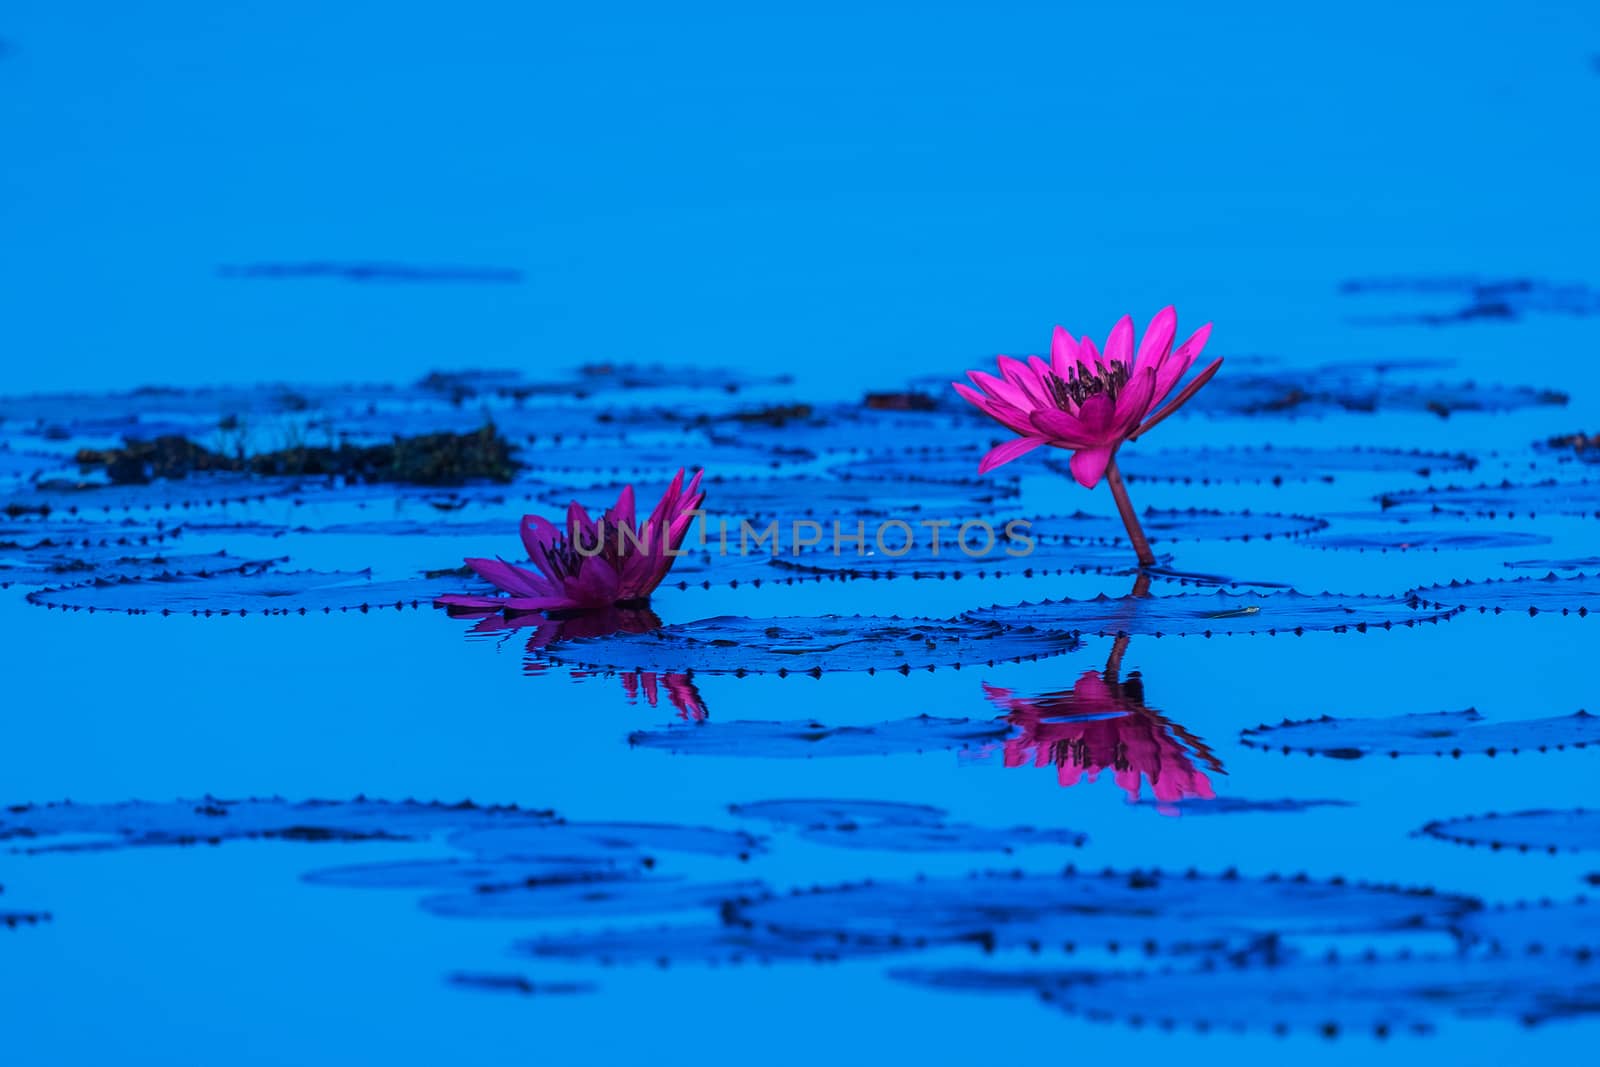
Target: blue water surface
x,y
852,195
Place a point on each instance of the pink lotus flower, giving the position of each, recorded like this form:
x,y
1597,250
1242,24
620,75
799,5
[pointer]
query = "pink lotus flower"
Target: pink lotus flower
x,y
1090,402
594,563
1102,724
1087,401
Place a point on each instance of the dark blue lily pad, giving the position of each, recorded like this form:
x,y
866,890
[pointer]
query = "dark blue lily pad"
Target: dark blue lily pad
x,y
1506,500
1357,389
266,592
1439,733
1531,596
1272,465
1139,909
738,645
518,984
1372,996
1426,539
1536,926
950,561
586,899
807,740
809,814
690,943
1241,805
600,840
1546,566
197,492
470,873
1572,830
48,568
811,495
33,827
945,837
1221,613
1168,525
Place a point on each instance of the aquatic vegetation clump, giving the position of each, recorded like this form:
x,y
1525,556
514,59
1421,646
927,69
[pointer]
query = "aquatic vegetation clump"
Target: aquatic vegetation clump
x,y
1438,733
739,645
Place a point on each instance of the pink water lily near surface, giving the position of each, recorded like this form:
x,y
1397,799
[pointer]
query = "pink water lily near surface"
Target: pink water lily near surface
x,y
593,563
1090,402
1087,400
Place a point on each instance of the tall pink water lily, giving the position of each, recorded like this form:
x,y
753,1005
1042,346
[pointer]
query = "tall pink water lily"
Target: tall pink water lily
x,y
1090,401
593,563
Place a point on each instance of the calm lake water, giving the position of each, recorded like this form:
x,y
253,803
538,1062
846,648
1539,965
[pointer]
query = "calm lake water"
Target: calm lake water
x,y
859,201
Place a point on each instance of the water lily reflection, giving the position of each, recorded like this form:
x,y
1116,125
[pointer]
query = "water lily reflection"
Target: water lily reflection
x,y
1103,722
542,630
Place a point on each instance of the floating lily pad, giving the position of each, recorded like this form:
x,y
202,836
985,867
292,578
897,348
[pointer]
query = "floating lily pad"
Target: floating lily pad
x,y
1545,566
1188,524
11,920
1213,614
751,498
603,839
951,562
1439,733
372,271
1506,500
807,740
459,873
955,465
690,943
516,983
737,645
848,429
946,837
1425,539
1531,596
1271,465
625,457
1140,909
211,821
1476,299
1566,926
50,568
184,494
1372,996
1357,389
1574,830
68,534
806,813
1241,805
610,897
268,593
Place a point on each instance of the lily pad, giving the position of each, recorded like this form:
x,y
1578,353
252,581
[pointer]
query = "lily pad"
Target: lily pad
x,y
1532,596
738,645
42,568
1573,830
1439,733
1241,805
600,840
751,498
194,493
516,983
807,813
1372,996
1536,926
952,562
1545,566
689,943
267,593
1273,465
930,465
1358,389
1221,613
1506,500
462,873
609,897
808,740
1424,539
1188,524
137,823
945,837
11,920
1137,909
1477,299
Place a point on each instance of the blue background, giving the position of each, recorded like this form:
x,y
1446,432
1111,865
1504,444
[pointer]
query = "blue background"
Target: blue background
x,y
855,194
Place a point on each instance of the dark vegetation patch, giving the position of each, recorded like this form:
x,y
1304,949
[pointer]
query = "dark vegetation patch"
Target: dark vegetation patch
x,y
1573,830
1439,733
1584,446
808,740
739,645
424,459
1220,613
1531,596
